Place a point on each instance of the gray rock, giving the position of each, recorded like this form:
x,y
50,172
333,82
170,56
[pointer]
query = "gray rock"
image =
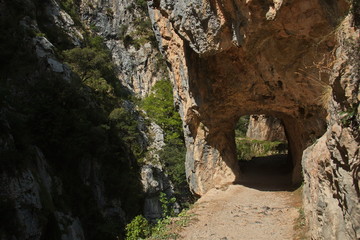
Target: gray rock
x,y
138,69
70,228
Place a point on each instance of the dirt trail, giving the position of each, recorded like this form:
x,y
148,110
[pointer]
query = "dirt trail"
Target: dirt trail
x,y
244,213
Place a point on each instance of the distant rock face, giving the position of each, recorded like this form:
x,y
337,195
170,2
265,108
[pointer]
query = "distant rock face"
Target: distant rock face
x,y
286,59
139,65
262,127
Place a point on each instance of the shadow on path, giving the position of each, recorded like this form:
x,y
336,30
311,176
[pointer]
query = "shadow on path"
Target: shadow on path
x,y
271,173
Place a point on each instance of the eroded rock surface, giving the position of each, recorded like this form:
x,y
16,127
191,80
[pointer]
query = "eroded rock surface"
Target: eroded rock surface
x,y
121,23
262,127
331,164
294,60
228,59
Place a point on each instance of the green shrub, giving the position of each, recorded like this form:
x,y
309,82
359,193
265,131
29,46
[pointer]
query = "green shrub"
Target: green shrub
x,y
138,228
142,4
242,126
167,205
88,62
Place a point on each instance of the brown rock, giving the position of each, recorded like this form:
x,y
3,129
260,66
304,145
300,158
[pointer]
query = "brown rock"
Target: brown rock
x,y
262,127
290,60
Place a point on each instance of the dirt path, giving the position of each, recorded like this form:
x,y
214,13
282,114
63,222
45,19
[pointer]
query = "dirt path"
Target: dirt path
x,y
242,213
262,207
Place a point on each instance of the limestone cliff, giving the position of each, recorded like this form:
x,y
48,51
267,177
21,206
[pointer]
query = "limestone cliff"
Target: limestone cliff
x,y
331,164
286,59
66,172
264,127
128,35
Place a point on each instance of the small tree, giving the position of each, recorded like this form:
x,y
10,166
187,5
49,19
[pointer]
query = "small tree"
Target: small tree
x,y
160,107
88,62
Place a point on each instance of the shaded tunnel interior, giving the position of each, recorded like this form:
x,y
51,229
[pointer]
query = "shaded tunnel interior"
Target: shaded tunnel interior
x,y
265,161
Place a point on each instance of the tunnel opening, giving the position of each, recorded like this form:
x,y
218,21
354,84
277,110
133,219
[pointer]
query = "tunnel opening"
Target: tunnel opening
x,y
263,154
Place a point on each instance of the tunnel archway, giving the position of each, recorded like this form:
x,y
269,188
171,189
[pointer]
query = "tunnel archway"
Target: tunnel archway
x,y
262,152
238,58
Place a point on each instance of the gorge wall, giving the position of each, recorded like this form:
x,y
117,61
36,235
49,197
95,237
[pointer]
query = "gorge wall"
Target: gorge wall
x,y
293,60
69,147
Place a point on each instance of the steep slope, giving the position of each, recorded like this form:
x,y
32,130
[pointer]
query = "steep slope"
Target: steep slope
x,y
70,135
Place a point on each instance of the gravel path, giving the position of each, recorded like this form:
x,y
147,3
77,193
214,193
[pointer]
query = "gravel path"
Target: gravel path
x,y
243,213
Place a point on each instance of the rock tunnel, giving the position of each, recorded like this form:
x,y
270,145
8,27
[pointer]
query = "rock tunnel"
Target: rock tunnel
x,y
235,58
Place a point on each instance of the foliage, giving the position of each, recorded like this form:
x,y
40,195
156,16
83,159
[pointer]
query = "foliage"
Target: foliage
x,y
142,4
94,66
125,125
242,126
71,7
142,34
159,107
88,62
173,158
167,205
349,116
300,226
248,148
75,124
138,228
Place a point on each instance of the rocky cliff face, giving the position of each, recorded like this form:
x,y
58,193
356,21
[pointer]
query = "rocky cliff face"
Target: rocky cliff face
x,y
240,58
127,32
264,127
331,164
50,187
285,59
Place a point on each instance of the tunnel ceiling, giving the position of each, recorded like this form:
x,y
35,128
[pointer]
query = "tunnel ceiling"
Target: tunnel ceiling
x,y
234,58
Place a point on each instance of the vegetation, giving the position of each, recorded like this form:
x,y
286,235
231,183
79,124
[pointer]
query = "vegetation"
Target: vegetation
x,y
138,228
77,124
349,117
242,126
72,8
164,228
248,148
160,108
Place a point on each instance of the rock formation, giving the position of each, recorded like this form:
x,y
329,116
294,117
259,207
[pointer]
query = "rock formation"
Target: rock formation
x,y
293,60
43,196
262,127
123,23
331,164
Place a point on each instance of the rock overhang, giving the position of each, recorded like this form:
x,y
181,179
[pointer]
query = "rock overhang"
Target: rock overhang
x,y
234,58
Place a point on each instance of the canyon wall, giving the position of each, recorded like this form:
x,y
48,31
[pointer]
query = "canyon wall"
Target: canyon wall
x,y
66,172
126,29
293,60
